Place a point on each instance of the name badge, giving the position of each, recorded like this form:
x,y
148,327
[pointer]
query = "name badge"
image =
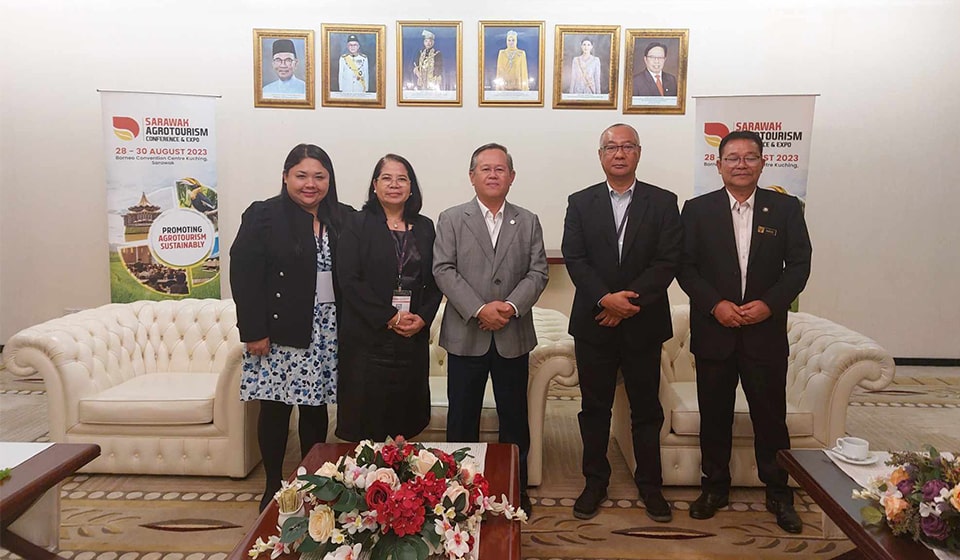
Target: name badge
x,y
325,287
763,230
401,300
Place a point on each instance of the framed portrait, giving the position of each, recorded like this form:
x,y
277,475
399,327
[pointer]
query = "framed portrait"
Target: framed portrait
x,y
586,67
283,68
353,65
511,63
429,63
655,77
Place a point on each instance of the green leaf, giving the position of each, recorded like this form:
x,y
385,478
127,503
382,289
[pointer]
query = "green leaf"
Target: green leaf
x,y
439,469
4,474
871,515
365,457
423,551
429,534
461,453
406,551
461,502
294,528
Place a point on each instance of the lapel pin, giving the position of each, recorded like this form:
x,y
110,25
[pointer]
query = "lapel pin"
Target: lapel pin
x,y
764,209
512,222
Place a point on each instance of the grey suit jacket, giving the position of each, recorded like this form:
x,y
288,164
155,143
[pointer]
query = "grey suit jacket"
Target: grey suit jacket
x,y
471,272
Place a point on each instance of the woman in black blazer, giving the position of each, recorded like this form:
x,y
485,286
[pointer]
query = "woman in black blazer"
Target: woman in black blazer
x,y
384,268
281,275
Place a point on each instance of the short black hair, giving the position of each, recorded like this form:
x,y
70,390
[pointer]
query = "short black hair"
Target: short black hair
x,y
491,146
411,208
742,135
654,45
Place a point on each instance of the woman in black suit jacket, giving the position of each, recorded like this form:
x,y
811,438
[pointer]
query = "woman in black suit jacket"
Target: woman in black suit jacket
x,y
286,317
384,268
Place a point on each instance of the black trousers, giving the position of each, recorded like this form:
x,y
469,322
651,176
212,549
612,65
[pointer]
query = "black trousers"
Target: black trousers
x,y
597,366
764,383
466,379
272,426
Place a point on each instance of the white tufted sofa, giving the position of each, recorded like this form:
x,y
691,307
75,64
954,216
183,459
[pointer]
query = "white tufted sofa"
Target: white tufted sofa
x,y
155,384
552,359
826,362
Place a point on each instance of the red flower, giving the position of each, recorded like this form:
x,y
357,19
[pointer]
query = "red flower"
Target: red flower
x,y
478,486
429,487
448,460
403,513
377,495
391,455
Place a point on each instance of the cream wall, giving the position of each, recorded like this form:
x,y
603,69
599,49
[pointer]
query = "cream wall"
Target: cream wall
x,y
883,180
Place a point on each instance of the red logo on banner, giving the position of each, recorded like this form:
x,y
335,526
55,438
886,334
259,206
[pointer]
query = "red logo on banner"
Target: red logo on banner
x,y
125,128
714,132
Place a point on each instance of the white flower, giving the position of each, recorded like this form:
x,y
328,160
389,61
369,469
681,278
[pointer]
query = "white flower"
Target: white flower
x,y
468,469
363,444
328,469
454,491
321,523
385,475
345,552
351,521
337,537
424,461
355,477
441,526
456,542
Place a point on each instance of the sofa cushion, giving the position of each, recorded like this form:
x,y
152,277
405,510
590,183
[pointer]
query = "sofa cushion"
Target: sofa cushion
x,y
685,417
154,399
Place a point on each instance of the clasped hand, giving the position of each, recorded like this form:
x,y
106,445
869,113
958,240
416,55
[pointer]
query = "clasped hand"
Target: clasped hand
x,y
732,315
406,324
495,315
617,307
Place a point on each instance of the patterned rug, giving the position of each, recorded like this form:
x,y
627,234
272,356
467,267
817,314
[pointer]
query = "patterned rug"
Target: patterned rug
x,y
126,517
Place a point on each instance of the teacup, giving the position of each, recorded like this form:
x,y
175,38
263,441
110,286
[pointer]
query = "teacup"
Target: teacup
x,y
853,448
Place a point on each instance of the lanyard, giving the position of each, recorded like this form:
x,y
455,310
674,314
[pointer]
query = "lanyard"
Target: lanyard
x,y
401,248
623,220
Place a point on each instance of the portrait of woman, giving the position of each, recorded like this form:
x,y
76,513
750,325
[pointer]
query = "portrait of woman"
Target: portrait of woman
x,y
512,66
585,70
281,274
384,267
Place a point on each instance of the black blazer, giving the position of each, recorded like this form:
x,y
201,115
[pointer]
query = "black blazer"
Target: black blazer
x,y
273,271
645,85
367,274
651,256
777,271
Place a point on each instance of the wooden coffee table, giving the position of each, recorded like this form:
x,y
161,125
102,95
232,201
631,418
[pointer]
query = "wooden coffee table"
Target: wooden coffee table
x,y
499,538
833,490
29,481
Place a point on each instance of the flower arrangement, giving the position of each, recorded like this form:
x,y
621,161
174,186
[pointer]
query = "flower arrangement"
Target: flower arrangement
x,y
396,500
920,498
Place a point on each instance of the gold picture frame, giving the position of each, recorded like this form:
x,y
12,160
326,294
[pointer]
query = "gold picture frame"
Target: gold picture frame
x,y
506,76
429,75
581,78
358,54
641,94
282,78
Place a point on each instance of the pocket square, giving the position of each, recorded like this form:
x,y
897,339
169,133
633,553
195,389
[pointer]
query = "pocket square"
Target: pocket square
x,y
764,230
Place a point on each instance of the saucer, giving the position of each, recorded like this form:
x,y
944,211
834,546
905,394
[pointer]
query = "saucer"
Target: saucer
x,y
870,459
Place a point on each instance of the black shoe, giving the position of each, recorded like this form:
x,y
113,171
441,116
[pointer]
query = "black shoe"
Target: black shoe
x,y
657,507
588,504
787,517
526,504
707,504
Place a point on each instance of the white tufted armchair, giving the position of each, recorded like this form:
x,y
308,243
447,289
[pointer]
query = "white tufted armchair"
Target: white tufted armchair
x,y
155,384
826,362
552,359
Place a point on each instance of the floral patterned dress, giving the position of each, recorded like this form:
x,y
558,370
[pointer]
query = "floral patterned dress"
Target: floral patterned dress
x,y
291,375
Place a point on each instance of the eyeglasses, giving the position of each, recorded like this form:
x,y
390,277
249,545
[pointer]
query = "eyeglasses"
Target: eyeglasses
x,y
749,160
284,61
656,57
628,149
488,170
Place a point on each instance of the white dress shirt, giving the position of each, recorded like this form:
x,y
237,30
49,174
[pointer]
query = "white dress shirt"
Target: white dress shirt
x,y
619,203
742,214
494,224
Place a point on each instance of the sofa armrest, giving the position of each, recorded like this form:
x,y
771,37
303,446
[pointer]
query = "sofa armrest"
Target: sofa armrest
x,y
227,407
827,361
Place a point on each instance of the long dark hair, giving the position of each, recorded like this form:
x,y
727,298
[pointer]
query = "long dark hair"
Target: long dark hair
x,y
328,212
412,206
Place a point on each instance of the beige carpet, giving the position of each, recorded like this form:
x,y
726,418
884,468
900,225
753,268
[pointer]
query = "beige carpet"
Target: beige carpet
x,y
108,517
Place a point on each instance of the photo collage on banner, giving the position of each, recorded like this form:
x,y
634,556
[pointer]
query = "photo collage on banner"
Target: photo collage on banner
x,y
162,196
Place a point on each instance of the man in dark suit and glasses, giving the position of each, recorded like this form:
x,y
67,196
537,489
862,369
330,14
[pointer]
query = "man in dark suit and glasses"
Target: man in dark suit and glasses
x,y
621,244
746,257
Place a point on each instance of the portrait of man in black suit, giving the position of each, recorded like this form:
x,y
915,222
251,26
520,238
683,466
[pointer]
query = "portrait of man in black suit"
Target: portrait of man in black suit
x,y
621,244
652,81
746,257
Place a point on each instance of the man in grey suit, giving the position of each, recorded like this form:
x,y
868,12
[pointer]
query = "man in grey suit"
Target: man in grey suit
x,y
488,259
